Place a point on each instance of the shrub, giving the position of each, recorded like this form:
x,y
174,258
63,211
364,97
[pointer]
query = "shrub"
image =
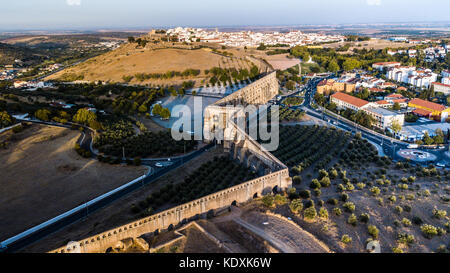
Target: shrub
x,y
375,191
344,197
268,200
439,214
429,231
407,208
406,239
392,198
340,187
360,185
297,180
373,230
349,206
380,201
305,194
417,220
280,199
346,239
364,218
398,209
325,182
349,187
310,213
315,184
323,213
296,206
332,201
137,161
352,220
396,250
317,192
406,222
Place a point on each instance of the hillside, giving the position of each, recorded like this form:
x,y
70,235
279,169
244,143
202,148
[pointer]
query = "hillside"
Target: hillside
x,y
129,60
9,53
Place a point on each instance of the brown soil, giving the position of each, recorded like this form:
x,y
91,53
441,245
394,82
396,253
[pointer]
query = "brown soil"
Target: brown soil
x,y
42,176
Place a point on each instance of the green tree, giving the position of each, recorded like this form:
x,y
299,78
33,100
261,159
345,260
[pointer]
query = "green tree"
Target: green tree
x,y
396,126
43,114
84,116
165,113
333,66
350,64
143,108
427,139
5,119
396,106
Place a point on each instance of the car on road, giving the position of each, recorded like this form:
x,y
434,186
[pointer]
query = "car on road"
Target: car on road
x,y
159,165
439,164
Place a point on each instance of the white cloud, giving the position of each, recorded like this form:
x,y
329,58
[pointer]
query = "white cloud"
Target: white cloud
x,y
73,2
373,2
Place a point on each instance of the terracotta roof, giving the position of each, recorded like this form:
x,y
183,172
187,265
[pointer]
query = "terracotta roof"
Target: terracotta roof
x,y
349,99
428,104
422,112
438,83
376,90
402,88
387,63
400,100
382,102
394,96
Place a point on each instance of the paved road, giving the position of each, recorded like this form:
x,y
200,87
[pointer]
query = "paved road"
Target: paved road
x,y
390,146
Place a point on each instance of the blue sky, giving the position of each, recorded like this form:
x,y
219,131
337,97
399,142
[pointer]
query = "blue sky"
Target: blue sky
x,y
82,14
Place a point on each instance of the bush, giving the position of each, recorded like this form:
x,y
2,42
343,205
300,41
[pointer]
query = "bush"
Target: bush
x,y
406,222
296,206
375,191
317,192
361,185
352,220
417,220
305,194
315,184
364,218
344,197
349,206
398,209
439,214
429,231
297,180
310,213
325,182
396,250
392,198
323,213
280,200
268,200
346,239
332,201
373,230
406,239
337,211
137,161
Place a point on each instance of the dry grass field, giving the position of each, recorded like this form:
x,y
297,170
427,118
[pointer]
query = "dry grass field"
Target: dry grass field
x,y
129,60
118,213
42,176
371,44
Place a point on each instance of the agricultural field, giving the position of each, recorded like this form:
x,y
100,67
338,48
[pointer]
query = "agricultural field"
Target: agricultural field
x,y
353,196
122,135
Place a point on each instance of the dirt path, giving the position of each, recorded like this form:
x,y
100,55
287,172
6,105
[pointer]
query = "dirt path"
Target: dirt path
x,y
286,236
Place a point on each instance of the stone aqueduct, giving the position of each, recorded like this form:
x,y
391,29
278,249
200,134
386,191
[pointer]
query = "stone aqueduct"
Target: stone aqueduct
x,y
275,175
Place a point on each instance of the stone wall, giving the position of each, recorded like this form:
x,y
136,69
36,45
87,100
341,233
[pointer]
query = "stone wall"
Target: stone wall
x,y
183,213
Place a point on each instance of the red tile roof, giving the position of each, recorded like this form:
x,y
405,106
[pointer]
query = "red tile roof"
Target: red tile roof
x,y
394,96
382,102
349,99
428,104
438,83
422,112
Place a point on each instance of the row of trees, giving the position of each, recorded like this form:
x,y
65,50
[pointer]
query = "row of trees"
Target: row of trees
x,y
215,175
